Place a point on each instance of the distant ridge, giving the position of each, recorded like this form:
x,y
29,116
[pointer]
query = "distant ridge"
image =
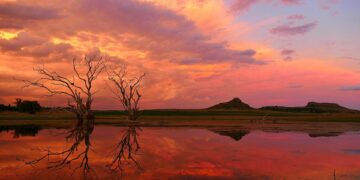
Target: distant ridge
x,y
327,106
311,107
314,107
235,104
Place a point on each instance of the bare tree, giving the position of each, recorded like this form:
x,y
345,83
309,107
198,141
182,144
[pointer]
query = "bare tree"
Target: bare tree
x,y
127,90
79,88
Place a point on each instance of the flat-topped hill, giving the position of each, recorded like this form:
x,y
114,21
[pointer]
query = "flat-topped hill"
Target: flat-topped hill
x,y
313,107
328,107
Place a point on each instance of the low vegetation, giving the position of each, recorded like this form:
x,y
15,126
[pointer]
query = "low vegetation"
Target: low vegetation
x,y
312,112
22,106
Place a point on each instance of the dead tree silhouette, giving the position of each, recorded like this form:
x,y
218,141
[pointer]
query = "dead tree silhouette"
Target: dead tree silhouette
x,y
79,88
127,90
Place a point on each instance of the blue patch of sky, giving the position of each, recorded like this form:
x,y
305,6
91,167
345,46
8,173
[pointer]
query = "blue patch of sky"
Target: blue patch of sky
x,y
341,29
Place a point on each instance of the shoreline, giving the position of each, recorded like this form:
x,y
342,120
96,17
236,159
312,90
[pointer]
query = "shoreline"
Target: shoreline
x,y
314,129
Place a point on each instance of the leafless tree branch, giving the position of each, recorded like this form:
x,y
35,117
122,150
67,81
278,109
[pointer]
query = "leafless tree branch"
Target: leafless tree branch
x,y
81,94
127,90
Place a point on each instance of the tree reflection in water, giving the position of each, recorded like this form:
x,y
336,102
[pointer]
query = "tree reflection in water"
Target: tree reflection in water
x,y
80,133
124,155
127,149
20,131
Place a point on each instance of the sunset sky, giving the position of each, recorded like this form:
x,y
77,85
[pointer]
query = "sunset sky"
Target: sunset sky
x,y
195,52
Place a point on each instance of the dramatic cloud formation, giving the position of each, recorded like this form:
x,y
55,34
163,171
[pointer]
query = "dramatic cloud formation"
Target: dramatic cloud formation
x,y
195,52
161,33
26,44
290,30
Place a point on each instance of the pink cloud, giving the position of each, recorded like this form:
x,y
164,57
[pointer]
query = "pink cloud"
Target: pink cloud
x,y
10,24
290,30
242,5
296,17
287,52
350,88
163,34
28,44
27,12
291,2
327,4
187,67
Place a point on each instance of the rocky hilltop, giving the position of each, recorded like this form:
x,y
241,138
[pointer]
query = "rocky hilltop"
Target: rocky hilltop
x,y
235,104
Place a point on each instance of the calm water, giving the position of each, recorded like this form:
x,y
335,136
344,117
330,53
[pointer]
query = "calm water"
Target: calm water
x,y
176,153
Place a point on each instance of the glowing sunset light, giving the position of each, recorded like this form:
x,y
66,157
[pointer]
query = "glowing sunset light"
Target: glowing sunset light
x,y
195,52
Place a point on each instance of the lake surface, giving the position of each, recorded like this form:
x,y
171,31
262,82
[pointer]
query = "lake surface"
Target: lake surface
x,y
176,153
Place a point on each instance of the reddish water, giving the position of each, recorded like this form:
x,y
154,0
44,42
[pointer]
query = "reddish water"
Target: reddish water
x,y
187,153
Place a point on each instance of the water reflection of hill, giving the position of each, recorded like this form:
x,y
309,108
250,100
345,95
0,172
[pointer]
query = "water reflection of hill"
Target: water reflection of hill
x,y
26,130
234,134
325,134
237,133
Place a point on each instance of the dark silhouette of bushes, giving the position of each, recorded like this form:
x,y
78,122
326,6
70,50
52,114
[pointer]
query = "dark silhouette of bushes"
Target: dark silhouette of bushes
x,y
7,108
22,106
29,107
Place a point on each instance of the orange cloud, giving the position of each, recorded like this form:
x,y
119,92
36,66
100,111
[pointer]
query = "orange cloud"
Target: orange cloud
x,y
192,51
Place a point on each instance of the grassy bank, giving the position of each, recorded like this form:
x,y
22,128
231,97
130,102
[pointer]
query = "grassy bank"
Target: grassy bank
x,y
61,118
